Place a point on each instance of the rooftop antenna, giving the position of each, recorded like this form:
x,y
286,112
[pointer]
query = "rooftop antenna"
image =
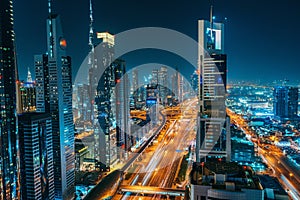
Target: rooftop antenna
x,y
91,35
211,19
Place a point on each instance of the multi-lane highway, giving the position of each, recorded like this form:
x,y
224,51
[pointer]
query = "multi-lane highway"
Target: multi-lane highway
x,y
160,162
283,169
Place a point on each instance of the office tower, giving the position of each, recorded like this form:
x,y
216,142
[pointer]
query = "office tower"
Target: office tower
x,y
82,98
286,102
135,87
113,114
176,85
163,84
36,153
101,84
42,83
152,102
9,186
194,82
121,99
27,92
213,136
154,77
54,77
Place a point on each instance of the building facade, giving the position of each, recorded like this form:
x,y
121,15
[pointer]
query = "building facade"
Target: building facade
x,y
54,96
285,102
9,163
36,152
213,135
113,114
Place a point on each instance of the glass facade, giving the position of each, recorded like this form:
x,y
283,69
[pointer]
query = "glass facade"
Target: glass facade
x,y
9,163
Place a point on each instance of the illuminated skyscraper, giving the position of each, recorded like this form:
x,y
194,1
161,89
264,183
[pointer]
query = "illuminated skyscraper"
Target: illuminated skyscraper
x,y
27,92
113,113
135,86
213,137
36,152
286,102
163,84
9,171
101,81
54,78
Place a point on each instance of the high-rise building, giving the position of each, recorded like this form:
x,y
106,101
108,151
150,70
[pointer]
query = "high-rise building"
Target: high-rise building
x,y
54,78
194,82
213,136
152,103
9,163
286,102
135,87
36,152
101,83
163,84
113,114
27,94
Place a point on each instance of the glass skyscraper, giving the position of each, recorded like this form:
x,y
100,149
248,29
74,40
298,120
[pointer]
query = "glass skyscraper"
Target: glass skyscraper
x,y
36,153
54,81
286,102
213,136
9,172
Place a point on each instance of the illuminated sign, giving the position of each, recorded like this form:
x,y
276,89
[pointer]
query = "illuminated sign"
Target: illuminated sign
x,y
214,40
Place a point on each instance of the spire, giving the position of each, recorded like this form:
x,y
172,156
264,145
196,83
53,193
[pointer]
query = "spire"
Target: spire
x,y
91,34
211,20
29,78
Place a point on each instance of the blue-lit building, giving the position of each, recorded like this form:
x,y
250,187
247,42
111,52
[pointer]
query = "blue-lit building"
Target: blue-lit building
x,y
152,103
9,163
36,153
195,82
213,135
285,103
113,114
27,94
54,96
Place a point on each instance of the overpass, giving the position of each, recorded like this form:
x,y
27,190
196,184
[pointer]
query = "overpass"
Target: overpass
x,y
151,190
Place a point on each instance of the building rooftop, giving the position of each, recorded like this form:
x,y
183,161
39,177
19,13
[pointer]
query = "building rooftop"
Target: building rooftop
x,y
271,183
224,175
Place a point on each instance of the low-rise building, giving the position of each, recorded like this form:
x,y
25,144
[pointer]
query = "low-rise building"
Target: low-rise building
x,y
224,180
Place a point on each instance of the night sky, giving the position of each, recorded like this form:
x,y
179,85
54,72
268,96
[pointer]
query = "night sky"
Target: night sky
x,y
262,38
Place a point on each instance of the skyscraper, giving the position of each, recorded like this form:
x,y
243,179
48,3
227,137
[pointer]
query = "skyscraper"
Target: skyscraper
x,y
27,94
36,152
54,77
213,136
113,114
135,86
9,163
163,84
286,102
101,81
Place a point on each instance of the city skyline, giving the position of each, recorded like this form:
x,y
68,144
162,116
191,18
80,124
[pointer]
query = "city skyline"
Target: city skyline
x,y
156,109
252,37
